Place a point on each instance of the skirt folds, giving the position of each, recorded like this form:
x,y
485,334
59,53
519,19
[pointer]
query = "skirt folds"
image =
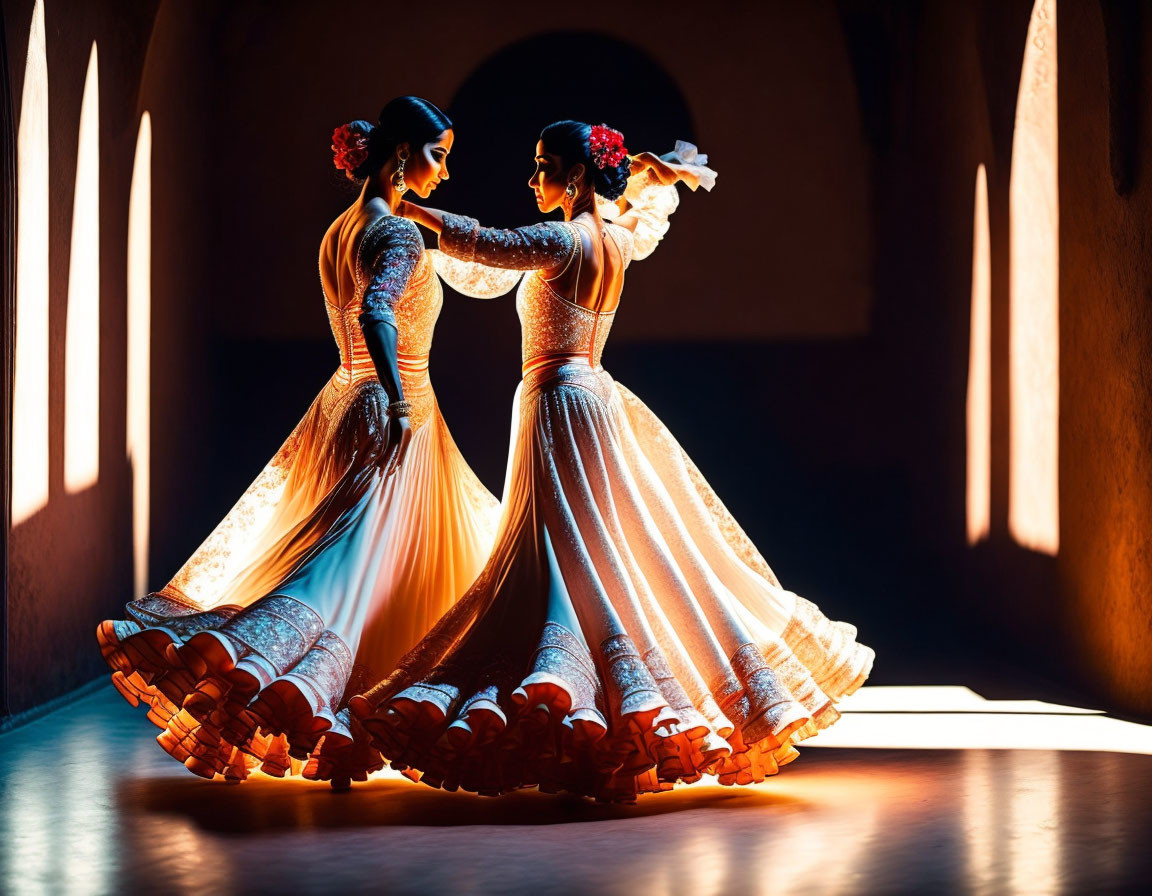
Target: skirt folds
x,y
315,584
625,633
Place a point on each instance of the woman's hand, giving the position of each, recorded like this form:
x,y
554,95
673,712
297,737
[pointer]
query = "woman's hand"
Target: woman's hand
x,y
398,435
664,172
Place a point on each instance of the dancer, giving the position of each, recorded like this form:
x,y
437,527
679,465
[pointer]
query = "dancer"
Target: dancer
x,y
625,634
358,534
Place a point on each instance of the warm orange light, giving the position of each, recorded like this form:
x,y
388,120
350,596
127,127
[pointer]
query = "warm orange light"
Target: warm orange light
x,y
140,347
979,370
30,377
82,331
1034,331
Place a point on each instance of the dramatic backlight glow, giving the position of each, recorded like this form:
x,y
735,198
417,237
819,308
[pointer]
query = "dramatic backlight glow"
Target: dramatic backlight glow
x,y
82,335
140,346
955,718
1033,508
30,378
979,370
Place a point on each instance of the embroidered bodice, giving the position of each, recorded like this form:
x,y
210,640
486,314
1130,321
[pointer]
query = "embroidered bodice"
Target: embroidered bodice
x,y
552,326
394,281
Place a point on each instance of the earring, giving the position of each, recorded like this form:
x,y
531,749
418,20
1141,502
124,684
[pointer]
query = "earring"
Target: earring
x,y
398,176
569,196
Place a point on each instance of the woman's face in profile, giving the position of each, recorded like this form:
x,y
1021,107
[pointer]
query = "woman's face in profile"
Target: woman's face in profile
x,y
428,165
548,180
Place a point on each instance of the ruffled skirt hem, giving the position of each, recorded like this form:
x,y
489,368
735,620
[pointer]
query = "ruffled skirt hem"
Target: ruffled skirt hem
x,y
545,733
234,691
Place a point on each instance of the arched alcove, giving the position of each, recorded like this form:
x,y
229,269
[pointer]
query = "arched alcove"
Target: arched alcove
x,y
502,105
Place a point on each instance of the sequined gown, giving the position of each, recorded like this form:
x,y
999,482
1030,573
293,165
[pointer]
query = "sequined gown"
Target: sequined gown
x,y
625,633
326,571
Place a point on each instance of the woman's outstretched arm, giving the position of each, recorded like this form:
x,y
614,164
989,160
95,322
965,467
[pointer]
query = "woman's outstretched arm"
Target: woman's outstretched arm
x,y
536,247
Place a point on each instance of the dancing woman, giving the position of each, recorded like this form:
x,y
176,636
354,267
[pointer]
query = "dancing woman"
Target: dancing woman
x,y
625,634
357,535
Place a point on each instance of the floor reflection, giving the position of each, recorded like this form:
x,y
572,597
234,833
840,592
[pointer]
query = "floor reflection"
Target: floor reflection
x,y
91,804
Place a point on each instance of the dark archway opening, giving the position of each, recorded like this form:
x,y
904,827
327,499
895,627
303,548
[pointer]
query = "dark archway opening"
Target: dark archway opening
x,y
511,96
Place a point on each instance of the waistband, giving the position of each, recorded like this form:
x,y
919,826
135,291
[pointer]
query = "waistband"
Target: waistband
x,y
545,371
553,361
362,366
412,363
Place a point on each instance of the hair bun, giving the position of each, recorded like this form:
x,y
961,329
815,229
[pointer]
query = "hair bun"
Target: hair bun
x,y
610,157
599,148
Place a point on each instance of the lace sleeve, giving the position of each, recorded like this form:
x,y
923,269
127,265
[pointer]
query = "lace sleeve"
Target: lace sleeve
x,y
470,278
624,241
389,251
652,203
536,247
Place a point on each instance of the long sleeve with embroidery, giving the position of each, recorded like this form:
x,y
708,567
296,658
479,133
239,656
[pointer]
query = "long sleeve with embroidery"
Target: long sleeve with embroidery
x,y
535,247
651,203
389,253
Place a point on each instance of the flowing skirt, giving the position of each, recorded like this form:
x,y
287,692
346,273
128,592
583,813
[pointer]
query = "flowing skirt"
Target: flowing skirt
x,y
313,586
624,635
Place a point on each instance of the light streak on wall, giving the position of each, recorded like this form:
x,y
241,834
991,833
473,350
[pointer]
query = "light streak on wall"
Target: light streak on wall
x,y
82,332
140,347
980,370
30,377
1034,326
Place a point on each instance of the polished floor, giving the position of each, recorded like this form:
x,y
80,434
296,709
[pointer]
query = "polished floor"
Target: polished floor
x,y
917,790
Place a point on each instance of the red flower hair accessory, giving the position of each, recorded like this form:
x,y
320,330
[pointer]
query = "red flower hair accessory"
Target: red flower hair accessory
x,y
349,147
606,146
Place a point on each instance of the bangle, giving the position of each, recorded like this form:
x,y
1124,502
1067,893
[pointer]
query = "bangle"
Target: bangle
x,y
399,408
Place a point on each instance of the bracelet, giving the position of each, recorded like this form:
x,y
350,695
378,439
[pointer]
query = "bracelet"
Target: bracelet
x,y
399,408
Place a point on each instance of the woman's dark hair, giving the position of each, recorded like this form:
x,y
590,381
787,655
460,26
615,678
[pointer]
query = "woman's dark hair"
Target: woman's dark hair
x,y
406,119
570,141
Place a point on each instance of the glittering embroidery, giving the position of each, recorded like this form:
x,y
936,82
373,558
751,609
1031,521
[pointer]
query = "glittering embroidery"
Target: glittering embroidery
x,y
390,248
632,688
561,654
279,629
327,666
552,325
357,423
153,608
536,247
203,579
766,706
669,686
